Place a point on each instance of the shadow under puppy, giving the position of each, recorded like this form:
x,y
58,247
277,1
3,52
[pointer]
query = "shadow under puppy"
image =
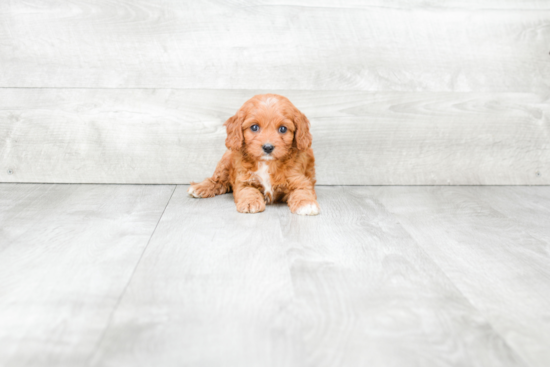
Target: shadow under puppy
x,y
269,159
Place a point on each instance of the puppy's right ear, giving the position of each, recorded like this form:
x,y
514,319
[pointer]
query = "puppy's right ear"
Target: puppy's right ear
x,y
233,125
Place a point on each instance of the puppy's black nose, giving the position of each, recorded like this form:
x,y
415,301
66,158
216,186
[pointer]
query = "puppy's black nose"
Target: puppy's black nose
x,y
268,148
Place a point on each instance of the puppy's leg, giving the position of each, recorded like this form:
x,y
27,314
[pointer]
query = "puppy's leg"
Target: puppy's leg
x,y
218,184
303,202
249,200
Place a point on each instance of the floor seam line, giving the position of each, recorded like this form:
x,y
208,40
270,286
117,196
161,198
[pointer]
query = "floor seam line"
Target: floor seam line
x,y
457,288
117,304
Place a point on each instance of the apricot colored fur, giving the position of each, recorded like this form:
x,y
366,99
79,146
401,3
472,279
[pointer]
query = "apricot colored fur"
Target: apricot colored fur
x,y
291,165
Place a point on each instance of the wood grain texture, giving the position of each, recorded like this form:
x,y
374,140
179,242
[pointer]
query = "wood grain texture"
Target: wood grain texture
x,y
176,136
213,289
66,254
370,296
484,46
347,288
501,235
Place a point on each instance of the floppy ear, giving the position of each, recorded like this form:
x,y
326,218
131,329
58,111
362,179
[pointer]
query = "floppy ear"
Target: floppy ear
x,y
302,135
233,125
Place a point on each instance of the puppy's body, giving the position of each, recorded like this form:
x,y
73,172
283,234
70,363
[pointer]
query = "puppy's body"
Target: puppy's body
x,y
269,158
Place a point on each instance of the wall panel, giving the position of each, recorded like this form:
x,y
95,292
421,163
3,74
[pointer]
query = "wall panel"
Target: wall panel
x,y
485,46
360,138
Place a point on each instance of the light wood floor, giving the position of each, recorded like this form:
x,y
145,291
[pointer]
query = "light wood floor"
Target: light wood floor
x,y
136,275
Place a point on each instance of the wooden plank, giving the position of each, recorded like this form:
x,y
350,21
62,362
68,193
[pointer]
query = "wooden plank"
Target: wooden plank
x,y
66,254
176,136
485,46
418,4
212,289
369,295
346,288
493,243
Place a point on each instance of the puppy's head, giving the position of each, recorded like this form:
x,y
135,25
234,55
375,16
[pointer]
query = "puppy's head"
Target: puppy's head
x,y
268,127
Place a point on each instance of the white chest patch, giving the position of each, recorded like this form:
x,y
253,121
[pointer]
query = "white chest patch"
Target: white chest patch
x,y
263,175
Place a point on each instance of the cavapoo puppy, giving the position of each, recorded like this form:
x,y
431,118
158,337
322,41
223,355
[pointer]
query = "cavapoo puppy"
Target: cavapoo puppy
x,y
269,158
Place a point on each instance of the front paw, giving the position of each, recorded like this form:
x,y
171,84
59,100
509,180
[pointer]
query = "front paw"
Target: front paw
x,y
194,192
307,208
203,189
255,205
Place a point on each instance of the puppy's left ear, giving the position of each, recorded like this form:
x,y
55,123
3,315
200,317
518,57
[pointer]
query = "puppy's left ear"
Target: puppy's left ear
x,y
302,136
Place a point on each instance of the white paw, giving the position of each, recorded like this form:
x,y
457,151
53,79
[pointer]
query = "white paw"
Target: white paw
x,y
308,209
193,193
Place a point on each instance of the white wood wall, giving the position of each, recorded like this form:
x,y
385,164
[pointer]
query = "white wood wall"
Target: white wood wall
x,y
398,92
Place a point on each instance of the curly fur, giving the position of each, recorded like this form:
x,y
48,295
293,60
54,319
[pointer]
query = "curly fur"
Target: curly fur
x,y
256,178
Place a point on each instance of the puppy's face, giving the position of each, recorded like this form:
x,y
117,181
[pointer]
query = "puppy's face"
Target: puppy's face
x,y
268,127
268,133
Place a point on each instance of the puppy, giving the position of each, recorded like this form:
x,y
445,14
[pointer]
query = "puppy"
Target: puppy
x,y
269,159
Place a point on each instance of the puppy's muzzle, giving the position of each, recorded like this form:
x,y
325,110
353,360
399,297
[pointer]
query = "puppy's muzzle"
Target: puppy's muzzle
x,y
268,148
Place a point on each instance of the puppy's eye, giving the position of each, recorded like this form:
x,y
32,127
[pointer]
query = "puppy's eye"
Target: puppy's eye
x,y
282,129
254,127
